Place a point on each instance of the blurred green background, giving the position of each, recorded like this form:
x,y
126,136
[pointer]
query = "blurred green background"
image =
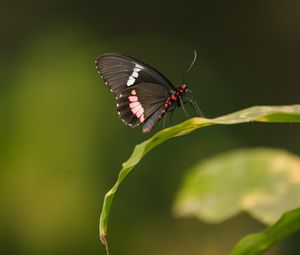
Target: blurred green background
x,y
62,143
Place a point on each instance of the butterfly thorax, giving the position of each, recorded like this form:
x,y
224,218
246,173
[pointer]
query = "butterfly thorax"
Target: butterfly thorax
x,y
174,100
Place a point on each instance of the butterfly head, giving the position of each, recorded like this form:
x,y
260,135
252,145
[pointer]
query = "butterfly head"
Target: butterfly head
x,y
186,92
184,86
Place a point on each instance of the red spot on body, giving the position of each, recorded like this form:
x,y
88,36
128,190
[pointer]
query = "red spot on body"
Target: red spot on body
x,y
173,97
166,105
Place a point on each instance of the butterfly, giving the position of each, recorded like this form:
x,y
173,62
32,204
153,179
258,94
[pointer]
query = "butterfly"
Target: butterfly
x,y
143,94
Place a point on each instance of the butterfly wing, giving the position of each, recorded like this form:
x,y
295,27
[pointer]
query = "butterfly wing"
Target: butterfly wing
x,y
120,72
139,102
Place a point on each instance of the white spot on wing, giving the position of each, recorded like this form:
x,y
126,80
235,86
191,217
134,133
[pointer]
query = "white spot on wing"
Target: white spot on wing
x,y
139,66
130,81
135,74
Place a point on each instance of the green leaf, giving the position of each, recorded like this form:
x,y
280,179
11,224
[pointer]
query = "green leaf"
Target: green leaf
x,y
256,244
257,113
262,181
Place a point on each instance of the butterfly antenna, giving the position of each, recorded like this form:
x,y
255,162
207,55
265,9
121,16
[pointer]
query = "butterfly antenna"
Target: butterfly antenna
x,y
190,67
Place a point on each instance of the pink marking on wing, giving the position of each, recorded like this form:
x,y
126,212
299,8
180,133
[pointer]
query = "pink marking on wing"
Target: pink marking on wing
x,y
142,118
136,109
133,92
133,98
134,104
140,112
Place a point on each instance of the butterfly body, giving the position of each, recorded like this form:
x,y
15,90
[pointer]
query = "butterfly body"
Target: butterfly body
x,y
142,93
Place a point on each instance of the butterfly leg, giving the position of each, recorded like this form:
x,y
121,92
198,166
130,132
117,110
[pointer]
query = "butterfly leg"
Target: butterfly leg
x,y
197,109
165,117
171,115
185,112
195,106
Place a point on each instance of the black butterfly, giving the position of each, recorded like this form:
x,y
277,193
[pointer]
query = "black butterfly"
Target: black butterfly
x,y
143,94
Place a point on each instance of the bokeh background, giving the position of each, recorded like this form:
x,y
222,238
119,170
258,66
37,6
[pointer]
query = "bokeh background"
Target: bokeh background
x,y
62,143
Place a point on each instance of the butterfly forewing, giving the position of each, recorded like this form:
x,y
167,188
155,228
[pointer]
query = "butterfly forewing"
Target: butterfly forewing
x,y
120,71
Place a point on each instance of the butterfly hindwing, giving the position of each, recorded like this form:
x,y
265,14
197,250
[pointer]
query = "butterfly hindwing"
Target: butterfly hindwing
x,y
137,103
120,72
